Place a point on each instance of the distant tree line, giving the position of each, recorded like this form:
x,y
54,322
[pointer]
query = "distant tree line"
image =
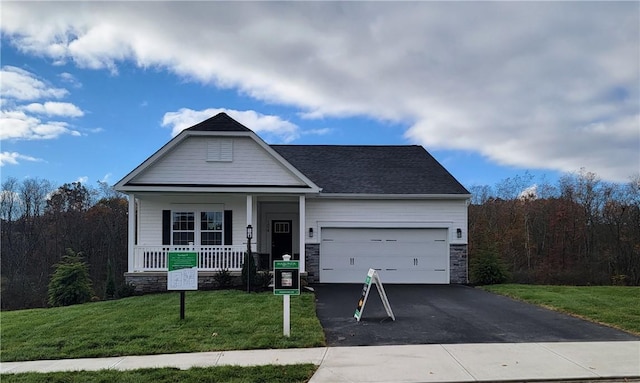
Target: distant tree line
x,y
40,223
579,231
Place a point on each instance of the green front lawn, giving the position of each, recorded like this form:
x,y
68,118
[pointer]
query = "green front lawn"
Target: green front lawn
x,y
150,324
296,373
615,306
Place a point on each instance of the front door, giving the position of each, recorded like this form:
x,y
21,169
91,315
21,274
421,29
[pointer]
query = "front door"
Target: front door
x,y
281,239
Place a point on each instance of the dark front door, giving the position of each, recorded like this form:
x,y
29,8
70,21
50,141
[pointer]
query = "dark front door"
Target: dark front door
x,y
281,239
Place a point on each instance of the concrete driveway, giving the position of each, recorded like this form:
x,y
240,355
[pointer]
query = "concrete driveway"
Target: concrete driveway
x,y
446,314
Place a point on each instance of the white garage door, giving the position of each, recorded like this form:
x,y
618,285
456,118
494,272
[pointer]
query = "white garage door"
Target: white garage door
x,y
399,255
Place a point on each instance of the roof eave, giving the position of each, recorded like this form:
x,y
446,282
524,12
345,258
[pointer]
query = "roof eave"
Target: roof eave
x,y
395,196
218,189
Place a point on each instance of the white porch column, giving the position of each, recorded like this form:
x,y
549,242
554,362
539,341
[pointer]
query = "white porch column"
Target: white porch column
x,y
131,232
303,236
250,219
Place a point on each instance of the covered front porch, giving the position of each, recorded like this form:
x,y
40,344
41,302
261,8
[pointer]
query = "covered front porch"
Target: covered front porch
x,y
270,225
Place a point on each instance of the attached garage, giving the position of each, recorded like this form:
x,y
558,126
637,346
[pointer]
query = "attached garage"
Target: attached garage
x,y
401,255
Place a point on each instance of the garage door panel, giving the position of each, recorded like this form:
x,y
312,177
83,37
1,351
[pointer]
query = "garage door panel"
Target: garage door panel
x,y
351,250
424,263
400,255
400,276
361,263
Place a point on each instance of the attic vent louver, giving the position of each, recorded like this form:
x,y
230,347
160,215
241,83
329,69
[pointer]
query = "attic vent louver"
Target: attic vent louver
x,y
220,150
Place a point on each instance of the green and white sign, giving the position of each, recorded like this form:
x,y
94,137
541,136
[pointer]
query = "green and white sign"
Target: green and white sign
x,y
286,277
372,277
183,270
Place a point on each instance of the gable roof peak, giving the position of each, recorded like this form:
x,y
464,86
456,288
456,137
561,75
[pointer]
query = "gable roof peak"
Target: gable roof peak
x,y
221,122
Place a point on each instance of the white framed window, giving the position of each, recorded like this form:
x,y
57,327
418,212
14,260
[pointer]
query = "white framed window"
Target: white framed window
x,y
197,227
211,228
183,225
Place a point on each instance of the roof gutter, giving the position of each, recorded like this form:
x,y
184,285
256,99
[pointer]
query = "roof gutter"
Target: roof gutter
x,y
394,196
224,189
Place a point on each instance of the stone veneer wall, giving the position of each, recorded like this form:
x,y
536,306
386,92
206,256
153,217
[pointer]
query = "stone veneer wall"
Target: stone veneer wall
x,y
458,264
312,262
156,281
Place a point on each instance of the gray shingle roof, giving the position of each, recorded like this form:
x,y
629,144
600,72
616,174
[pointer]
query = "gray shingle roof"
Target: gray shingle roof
x,y
407,169
357,169
221,122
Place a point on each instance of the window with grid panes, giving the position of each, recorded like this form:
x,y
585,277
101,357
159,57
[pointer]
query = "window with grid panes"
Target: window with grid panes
x,y
211,228
183,228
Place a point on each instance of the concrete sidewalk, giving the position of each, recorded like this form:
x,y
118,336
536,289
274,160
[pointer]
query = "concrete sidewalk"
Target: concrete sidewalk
x,y
410,363
481,362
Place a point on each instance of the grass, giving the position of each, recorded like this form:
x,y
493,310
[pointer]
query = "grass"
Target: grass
x,y
615,306
150,324
232,374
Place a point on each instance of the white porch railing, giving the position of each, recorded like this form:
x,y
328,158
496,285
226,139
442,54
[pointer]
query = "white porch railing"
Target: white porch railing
x,y
210,258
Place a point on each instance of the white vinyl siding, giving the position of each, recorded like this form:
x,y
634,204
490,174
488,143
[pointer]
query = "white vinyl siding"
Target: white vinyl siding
x,y
150,214
189,163
409,213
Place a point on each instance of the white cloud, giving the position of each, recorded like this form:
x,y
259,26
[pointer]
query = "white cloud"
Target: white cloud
x,y
83,180
95,130
52,108
17,125
24,86
317,132
70,79
530,84
272,128
14,158
529,193
31,121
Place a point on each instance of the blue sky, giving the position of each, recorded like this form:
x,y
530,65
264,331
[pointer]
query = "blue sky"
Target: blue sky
x,y
90,90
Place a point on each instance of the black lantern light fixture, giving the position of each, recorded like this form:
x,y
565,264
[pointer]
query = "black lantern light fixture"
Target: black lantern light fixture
x,y
310,232
459,232
249,232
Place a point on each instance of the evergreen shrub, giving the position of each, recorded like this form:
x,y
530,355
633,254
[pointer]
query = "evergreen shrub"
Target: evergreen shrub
x,y
250,269
70,283
487,268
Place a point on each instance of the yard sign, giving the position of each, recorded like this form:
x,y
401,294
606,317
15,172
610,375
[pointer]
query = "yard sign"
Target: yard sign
x,y
372,276
183,270
286,277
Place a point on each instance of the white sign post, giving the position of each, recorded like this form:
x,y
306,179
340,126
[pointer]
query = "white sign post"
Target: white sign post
x,y
286,282
372,277
286,315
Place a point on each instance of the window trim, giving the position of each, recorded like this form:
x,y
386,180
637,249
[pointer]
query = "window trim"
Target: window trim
x,y
189,222
197,225
218,215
